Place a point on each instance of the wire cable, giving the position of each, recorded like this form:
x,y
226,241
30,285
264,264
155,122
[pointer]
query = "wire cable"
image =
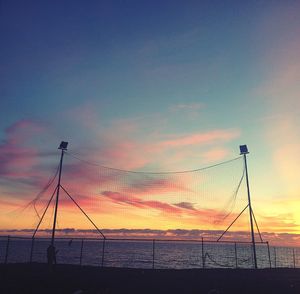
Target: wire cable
x,y
150,172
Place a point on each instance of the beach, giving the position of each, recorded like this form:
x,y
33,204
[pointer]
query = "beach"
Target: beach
x,y
36,278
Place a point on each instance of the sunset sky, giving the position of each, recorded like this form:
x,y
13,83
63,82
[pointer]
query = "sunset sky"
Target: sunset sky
x,y
151,86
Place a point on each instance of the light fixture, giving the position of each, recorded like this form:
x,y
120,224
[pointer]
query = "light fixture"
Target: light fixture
x,y
63,145
244,149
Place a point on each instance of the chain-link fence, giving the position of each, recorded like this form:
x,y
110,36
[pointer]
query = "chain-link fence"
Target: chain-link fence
x,y
146,253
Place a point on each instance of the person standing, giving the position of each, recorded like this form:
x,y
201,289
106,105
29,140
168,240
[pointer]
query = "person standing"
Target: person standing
x,y
51,256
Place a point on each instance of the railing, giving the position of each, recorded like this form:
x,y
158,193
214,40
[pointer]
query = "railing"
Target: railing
x,y
146,253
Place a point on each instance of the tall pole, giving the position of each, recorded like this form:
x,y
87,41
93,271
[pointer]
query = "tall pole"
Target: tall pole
x,y
244,152
63,147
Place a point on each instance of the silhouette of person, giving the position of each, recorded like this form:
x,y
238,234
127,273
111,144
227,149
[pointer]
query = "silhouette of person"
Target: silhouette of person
x,y
51,255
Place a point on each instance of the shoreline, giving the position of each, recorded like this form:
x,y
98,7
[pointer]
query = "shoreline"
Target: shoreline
x,y
35,278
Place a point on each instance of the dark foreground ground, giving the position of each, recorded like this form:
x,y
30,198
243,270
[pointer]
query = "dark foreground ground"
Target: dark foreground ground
x,y
35,278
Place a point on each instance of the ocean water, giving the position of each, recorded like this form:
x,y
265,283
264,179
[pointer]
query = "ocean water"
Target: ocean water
x,y
146,254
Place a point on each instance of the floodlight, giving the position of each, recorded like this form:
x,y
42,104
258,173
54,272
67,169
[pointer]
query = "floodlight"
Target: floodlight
x,y
244,149
63,145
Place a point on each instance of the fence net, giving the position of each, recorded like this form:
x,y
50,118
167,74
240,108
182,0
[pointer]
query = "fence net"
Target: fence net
x,y
184,204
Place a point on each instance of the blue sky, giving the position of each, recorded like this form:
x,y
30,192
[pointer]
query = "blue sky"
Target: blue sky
x,y
129,57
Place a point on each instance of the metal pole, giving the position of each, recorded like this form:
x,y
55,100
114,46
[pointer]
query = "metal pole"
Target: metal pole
x,y
103,249
31,250
275,257
81,250
269,254
57,197
203,257
153,253
7,247
250,213
235,254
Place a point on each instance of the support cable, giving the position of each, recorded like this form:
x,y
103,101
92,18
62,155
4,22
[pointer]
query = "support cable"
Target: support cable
x,y
233,201
232,223
42,217
38,196
83,212
257,226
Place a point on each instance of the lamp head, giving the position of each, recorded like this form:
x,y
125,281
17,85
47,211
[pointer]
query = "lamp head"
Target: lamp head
x,y
244,149
63,145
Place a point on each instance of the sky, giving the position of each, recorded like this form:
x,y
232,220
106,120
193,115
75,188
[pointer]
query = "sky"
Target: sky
x,y
151,86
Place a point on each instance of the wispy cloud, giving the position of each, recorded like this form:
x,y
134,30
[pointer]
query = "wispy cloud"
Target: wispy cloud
x,y
143,142
17,157
201,138
189,110
140,203
185,205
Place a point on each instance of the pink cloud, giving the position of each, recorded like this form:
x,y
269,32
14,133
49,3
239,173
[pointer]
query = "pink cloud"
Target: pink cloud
x,y
201,138
216,154
17,159
141,142
125,154
137,154
182,209
140,203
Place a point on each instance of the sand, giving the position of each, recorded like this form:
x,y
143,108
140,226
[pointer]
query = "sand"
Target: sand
x,y
35,278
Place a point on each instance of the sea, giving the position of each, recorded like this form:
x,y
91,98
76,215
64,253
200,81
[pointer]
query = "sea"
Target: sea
x,y
147,254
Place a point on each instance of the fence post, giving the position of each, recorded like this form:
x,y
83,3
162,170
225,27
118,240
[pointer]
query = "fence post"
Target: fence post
x,y
103,249
31,250
81,250
269,254
203,257
294,259
235,254
7,247
275,257
153,253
